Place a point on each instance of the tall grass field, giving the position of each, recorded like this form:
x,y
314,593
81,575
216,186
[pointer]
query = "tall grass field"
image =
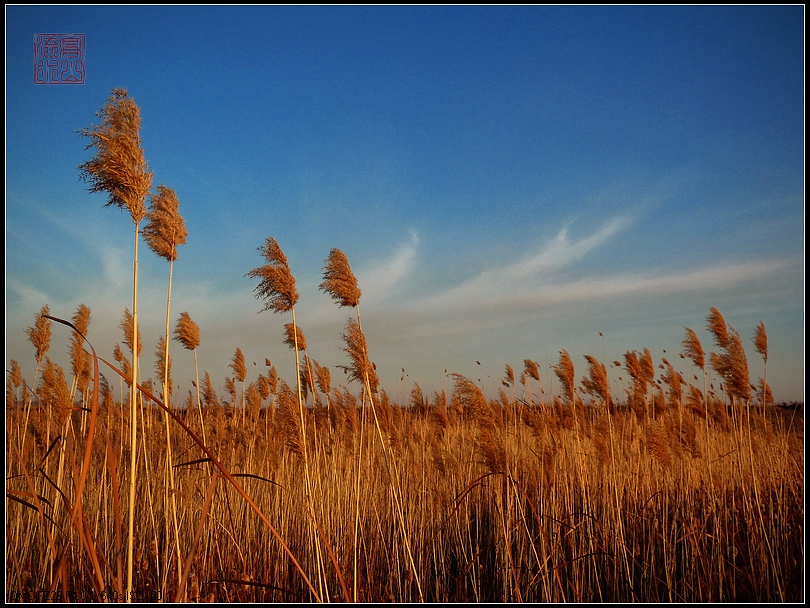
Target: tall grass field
x,y
662,489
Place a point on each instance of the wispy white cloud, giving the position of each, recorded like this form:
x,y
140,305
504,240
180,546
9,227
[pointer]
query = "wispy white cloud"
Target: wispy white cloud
x,y
540,283
378,279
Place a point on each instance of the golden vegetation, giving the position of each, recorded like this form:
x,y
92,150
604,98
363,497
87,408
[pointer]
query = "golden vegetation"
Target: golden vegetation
x,y
659,491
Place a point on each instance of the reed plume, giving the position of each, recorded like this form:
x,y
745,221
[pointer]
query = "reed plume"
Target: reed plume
x,y
417,398
673,380
54,392
40,333
716,324
187,332
208,393
163,369
324,379
339,280
565,372
294,337
732,366
761,341
126,368
15,378
81,320
276,282
693,349
238,365
131,337
40,336
761,346
361,367
165,229
596,383
509,376
531,369
119,167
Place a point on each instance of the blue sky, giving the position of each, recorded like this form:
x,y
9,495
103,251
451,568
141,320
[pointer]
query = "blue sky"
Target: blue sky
x,y
506,183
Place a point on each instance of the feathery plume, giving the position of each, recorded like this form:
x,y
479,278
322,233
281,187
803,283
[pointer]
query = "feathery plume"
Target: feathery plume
x,y
509,377
693,349
716,324
277,284
127,326
208,393
531,369
81,320
165,229
187,332
597,383
238,366
40,333
339,280
647,366
565,372
323,377
761,341
54,392
733,366
360,367
119,167
294,337
417,399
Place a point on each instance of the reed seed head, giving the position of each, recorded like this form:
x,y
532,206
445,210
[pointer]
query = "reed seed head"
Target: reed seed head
x,y
761,341
597,382
565,372
361,367
54,391
165,229
127,325
187,332
161,358
716,324
277,284
238,365
294,337
509,376
339,280
693,349
40,333
118,167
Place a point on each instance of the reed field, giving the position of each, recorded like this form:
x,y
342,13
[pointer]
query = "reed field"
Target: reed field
x,y
678,489
458,501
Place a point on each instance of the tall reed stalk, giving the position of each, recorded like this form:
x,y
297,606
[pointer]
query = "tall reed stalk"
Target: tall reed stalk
x,y
164,232
277,287
119,169
341,284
